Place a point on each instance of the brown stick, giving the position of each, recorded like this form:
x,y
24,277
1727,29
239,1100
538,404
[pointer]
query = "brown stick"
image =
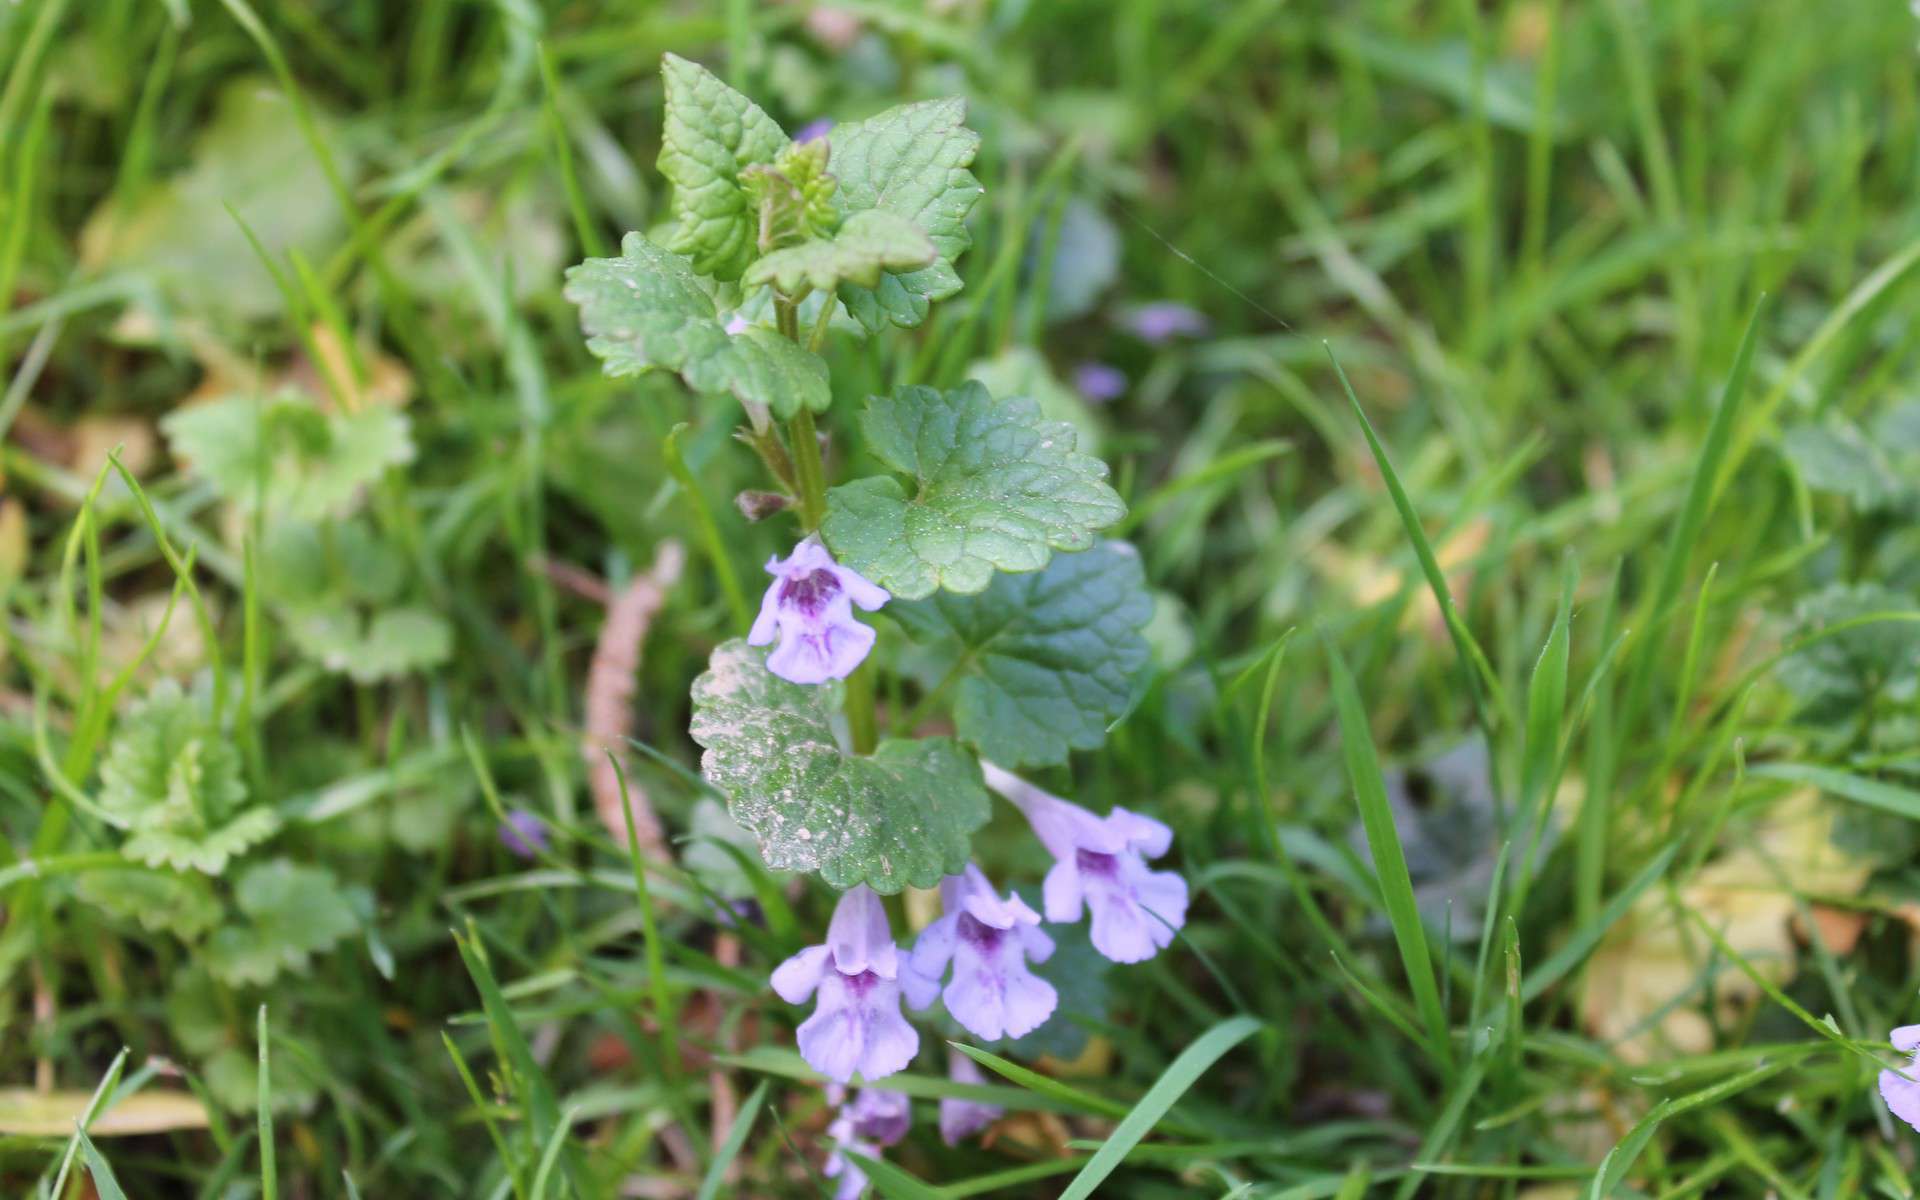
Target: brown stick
x,y
609,716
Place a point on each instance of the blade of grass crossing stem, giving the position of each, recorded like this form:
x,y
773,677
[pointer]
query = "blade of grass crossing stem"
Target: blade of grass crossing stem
x,y
663,1009
269,1171
1613,1169
551,1155
95,1106
1887,797
1172,1084
716,1177
508,1163
1046,1085
591,242
1581,944
529,1082
1540,753
1693,515
1477,671
1389,859
890,1181
716,545
103,1180
1825,1028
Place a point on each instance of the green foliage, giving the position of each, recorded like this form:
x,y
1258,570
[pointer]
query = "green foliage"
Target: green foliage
x,y
1038,663
1852,664
900,817
910,161
175,779
647,309
866,244
161,901
342,588
712,134
1877,469
287,455
218,1046
997,488
291,913
795,197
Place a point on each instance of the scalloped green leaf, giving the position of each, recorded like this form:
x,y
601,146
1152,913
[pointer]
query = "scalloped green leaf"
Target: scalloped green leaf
x,y
711,134
997,487
370,647
292,912
161,901
303,463
175,779
902,816
1834,678
647,309
1041,663
866,244
910,161
1837,456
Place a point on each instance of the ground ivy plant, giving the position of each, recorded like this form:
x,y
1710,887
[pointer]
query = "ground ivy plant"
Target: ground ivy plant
x,y
979,539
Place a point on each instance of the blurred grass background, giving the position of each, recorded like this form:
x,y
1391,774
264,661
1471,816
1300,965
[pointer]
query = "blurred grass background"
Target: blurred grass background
x,y
1533,232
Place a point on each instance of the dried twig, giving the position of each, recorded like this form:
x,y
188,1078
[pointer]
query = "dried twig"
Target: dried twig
x,y
610,682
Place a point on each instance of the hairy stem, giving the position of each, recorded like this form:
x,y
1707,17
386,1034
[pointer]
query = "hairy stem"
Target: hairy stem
x,y
809,473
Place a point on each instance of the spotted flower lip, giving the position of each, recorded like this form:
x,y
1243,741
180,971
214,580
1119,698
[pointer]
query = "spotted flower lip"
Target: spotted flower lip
x,y
1903,1095
961,1119
809,607
1100,865
856,1026
873,1119
987,939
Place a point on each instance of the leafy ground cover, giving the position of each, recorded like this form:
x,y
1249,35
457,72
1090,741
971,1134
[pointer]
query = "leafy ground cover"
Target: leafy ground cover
x,y
1513,409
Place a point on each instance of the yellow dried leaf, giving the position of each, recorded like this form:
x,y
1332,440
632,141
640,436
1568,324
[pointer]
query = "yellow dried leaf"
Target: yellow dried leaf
x,y
27,1113
1656,955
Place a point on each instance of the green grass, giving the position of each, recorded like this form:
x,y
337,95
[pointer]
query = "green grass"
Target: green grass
x,y
1596,278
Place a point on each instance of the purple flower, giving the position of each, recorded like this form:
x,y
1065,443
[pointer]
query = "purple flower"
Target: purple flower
x,y
737,324
1100,382
1903,1095
1101,862
961,1119
856,1026
524,833
810,604
875,1118
1164,320
817,128
988,940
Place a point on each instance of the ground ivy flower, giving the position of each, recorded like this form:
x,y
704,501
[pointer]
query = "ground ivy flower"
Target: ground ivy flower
x,y
856,1026
961,1119
809,605
1100,863
524,833
1164,320
1100,382
988,940
874,1119
1903,1095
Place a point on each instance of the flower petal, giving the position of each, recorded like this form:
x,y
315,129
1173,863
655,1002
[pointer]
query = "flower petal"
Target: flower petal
x,y
859,935
1150,837
795,979
1902,1097
1061,893
1906,1039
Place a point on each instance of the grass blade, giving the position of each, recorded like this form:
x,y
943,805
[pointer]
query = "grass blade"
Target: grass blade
x,y
103,1180
269,1170
1389,858
1172,1084
730,1149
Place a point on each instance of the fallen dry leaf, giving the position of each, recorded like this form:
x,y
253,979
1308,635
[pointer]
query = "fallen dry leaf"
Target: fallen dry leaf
x,y
27,1113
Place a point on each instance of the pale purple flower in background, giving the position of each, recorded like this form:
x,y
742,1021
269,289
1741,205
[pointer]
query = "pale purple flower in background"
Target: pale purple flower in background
x,y
961,1119
736,325
1100,863
524,834
809,605
817,128
1164,320
1100,382
988,940
875,1118
856,1026
1903,1095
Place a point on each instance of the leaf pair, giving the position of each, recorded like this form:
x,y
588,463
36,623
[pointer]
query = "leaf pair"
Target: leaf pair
x,y
908,164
